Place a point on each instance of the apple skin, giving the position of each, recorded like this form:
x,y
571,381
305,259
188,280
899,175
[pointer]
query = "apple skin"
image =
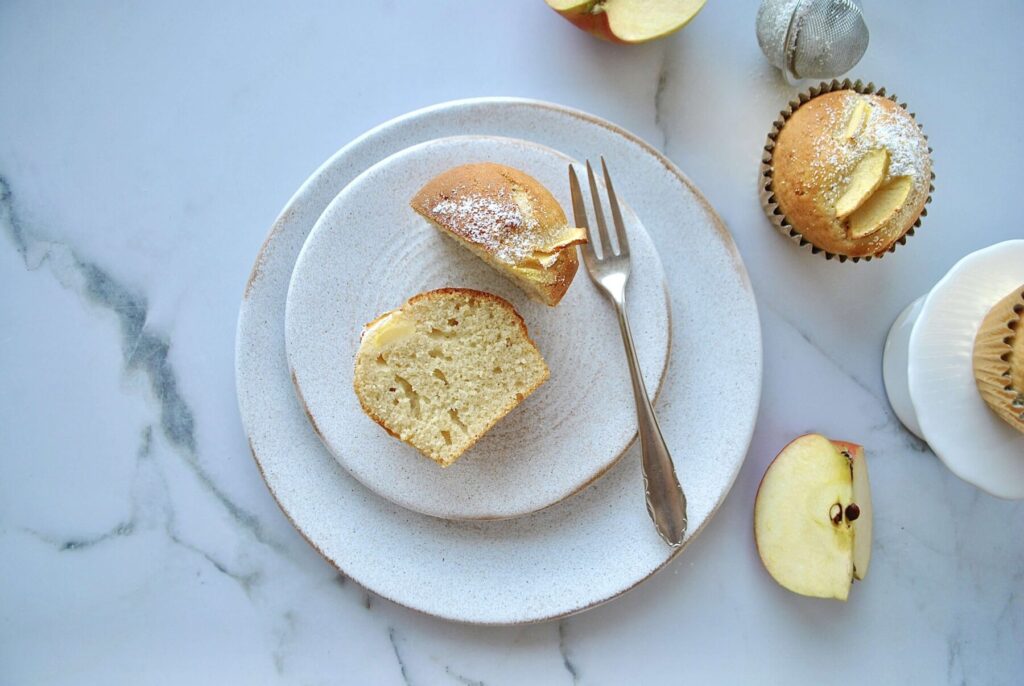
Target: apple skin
x,y
594,24
598,24
846,446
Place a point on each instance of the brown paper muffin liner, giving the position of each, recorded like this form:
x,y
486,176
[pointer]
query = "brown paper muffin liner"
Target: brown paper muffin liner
x,y
768,200
993,346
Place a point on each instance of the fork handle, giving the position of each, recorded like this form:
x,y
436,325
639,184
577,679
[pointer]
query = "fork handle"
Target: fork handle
x,y
665,500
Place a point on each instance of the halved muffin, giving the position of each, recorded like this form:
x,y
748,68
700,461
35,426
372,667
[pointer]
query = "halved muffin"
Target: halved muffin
x,y
508,219
442,369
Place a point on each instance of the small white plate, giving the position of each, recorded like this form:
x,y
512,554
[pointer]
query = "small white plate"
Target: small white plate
x,y
578,553
968,437
370,251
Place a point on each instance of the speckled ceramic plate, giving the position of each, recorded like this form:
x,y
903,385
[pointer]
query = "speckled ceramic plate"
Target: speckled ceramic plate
x,y
591,547
370,251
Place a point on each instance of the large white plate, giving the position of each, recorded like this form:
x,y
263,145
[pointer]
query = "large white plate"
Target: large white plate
x,y
591,547
370,251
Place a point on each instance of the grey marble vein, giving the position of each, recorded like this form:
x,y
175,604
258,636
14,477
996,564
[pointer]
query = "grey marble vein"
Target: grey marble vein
x,y
462,679
824,353
15,229
880,543
1007,612
167,524
123,529
954,661
659,95
120,530
144,351
393,638
909,440
138,521
283,635
891,422
563,650
145,444
247,580
82,543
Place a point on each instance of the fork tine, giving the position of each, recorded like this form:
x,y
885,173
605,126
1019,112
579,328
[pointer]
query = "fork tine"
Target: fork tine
x,y
579,211
620,227
602,228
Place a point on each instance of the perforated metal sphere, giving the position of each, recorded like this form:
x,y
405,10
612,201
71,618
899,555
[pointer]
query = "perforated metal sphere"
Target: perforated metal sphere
x,y
812,38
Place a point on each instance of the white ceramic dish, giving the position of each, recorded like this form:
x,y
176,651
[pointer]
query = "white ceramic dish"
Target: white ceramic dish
x,y
591,547
973,442
895,360
929,375
370,251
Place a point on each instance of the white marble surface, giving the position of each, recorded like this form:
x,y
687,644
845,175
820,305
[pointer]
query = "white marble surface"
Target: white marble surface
x,y
144,151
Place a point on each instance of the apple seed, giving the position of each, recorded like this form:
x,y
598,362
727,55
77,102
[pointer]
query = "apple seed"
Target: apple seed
x,y
852,512
835,513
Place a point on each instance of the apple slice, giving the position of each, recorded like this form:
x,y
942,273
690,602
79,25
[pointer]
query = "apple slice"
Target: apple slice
x,y
812,517
859,115
880,207
628,21
867,175
547,256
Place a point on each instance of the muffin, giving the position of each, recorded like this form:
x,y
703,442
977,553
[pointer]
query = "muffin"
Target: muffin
x,y
999,359
508,219
442,369
848,171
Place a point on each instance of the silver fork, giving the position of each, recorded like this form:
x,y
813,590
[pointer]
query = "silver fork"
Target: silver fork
x,y
608,267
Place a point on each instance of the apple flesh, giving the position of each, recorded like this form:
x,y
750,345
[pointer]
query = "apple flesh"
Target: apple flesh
x,y
812,517
866,177
878,209
628,21
859,116
862,525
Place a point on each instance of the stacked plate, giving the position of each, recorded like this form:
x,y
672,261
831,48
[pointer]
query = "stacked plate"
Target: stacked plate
x,y
546,515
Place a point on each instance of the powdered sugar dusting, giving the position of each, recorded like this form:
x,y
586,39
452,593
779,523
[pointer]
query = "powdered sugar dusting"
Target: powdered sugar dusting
x,y
901,137
496,222
894,130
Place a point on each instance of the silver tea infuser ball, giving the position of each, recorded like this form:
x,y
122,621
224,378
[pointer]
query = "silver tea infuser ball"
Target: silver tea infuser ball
x,y
812,39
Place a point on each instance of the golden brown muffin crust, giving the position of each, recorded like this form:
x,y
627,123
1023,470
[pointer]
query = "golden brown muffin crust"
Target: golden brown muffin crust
x,y
478,202
507,218
815,156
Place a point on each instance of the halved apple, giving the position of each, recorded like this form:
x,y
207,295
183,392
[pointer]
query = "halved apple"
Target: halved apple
x,y
812,517
628,21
